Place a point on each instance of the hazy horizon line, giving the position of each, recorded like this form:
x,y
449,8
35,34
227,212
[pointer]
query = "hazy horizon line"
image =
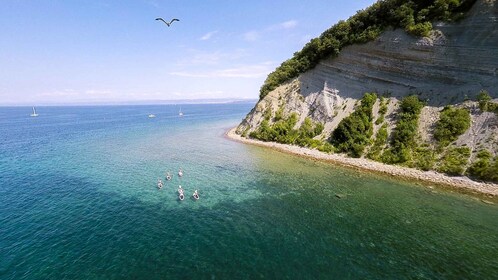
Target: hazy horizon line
x,y
133,102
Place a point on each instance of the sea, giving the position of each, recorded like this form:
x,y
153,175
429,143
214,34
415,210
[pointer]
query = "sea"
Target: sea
x,y
79,200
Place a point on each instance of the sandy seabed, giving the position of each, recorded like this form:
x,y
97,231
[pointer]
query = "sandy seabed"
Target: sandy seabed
x,y
462,183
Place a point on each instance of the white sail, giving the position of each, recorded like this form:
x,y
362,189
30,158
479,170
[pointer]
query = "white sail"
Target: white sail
x,y
34,114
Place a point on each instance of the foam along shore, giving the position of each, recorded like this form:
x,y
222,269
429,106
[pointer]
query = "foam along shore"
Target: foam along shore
x,y
460,183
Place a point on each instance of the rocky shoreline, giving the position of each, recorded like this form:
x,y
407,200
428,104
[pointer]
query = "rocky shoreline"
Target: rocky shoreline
x,y
463,184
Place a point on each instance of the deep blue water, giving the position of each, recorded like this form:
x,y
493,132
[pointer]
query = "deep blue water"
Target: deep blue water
x,y
78,200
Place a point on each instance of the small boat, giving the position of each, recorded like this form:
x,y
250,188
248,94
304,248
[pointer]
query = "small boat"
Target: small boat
x,y
152,116
34,114
181,196
180,112
195,195
160,184
180,173
168,176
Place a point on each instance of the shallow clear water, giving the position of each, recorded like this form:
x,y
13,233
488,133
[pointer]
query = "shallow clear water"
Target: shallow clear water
x,y
78,200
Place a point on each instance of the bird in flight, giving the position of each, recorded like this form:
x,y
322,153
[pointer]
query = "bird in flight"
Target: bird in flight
x,y
167,23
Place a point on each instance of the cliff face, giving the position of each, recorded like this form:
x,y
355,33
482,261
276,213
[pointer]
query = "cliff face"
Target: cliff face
x,y
456,60
451,65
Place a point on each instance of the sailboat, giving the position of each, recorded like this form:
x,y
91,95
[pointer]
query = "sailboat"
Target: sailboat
x,y
180,113
34,114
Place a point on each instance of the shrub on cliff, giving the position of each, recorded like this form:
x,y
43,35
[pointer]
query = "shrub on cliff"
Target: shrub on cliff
x,y
422,29
380,142
484,167
353,132
423,158
493,171
485,103
454,160
484,99
403,136
481,166
282,131
452,123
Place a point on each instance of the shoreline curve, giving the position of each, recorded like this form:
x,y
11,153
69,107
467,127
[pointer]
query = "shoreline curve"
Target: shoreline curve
x,y
461,183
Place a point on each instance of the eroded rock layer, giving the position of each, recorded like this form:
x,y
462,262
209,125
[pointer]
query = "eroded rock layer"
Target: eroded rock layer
x,y
452,65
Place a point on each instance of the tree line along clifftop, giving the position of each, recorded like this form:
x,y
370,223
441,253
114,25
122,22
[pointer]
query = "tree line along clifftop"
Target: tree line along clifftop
x,y
415,17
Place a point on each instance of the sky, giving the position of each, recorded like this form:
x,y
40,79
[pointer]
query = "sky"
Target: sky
x,y
81,51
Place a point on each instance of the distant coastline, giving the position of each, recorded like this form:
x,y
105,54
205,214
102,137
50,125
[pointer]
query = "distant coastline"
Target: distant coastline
x,y
462,184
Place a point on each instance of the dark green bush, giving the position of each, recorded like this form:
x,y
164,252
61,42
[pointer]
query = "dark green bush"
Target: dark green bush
x,y
481,167
423,158
282,131
382,111
422,29
326,147
484,99
379,143
484,167
452,123
485,103
383,106
493,171
379,120
268,113
353,132
279,114
403,136
454,161
411,105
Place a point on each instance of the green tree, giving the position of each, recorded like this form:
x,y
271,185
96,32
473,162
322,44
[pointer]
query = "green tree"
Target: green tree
x,y
482,166
454,161
484,99
353,132
452,123
403,135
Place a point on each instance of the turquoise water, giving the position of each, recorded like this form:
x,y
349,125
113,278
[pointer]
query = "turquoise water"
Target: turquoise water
x,y
78,200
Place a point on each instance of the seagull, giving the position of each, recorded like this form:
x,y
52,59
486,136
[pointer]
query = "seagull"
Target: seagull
x,y
167,23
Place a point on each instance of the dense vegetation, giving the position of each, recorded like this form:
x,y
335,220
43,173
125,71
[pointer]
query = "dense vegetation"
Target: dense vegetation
x,y
353,136
484,168
423,157
454,161
353,133
379,143
382,110
282,131
485,103
414,16
452,123
403,136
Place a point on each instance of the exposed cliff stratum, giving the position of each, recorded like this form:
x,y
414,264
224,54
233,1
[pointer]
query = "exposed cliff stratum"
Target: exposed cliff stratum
x,y
449,67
